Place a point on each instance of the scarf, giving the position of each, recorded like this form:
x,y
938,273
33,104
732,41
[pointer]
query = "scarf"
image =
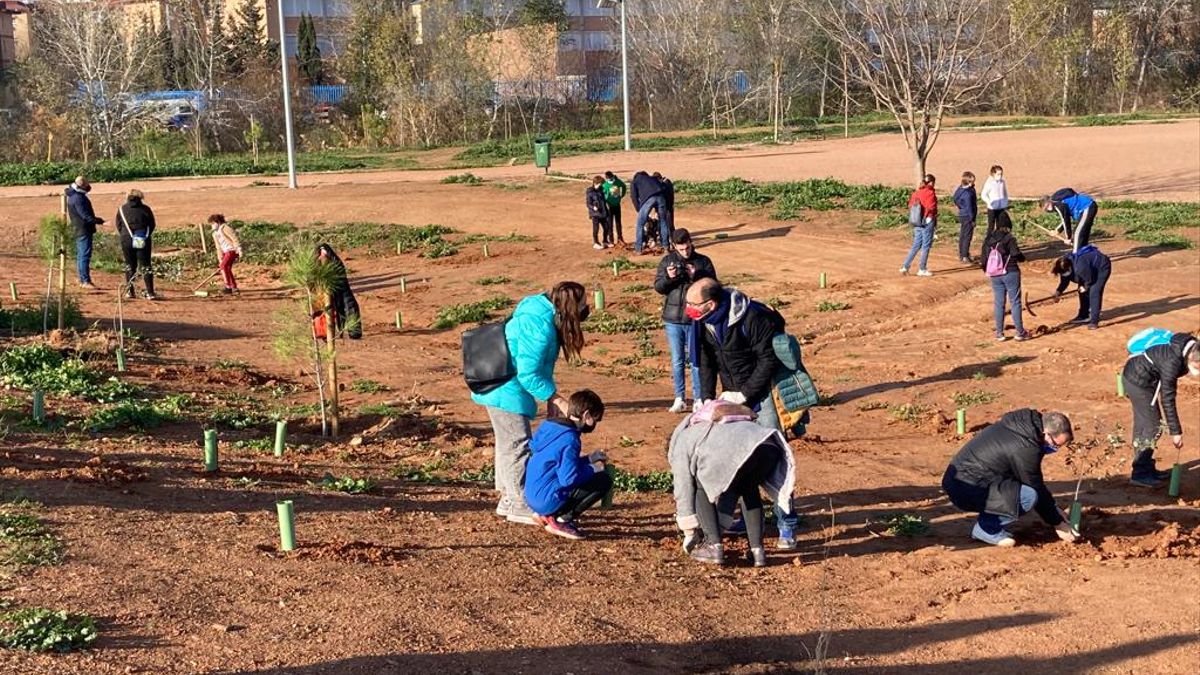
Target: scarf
x,y
718,319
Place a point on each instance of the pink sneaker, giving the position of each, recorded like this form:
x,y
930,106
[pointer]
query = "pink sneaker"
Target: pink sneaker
x,y
564,530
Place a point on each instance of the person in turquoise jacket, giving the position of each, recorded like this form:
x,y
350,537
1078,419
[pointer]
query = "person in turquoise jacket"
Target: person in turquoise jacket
x,y
560,483
542,327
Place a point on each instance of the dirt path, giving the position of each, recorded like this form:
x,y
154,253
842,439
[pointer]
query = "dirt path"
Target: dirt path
x,y
182,568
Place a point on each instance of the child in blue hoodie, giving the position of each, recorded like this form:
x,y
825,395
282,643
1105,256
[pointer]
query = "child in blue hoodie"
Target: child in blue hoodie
x,y
560,483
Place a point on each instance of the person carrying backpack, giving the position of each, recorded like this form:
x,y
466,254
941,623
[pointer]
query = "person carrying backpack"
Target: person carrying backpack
x,y
999,260
1090,269
922,215
1157,359
1069,204
598,211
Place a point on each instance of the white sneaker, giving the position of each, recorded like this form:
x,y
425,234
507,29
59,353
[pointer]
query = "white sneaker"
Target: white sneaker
x,y
1001,538
924,273
678,406
697,405
903,270
598,247
503,507
524,517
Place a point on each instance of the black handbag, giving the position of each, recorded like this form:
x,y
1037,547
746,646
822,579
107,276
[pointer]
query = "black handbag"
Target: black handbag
x,y
487,363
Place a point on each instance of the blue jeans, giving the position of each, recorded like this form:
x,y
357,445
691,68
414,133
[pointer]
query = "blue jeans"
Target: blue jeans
x,y
923,241
83,258
1010,285
659,204
787,523
677,336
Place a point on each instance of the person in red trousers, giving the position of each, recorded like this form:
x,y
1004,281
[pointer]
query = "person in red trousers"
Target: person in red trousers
x,y
230,249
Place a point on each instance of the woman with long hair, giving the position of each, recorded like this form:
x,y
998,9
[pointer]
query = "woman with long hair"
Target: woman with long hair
x,y
542,327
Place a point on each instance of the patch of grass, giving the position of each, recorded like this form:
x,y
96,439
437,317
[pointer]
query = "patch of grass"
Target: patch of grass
x,y
655,481
608,323
510,238
637,288
429,472
37,629
25,541
625,264
646,348
492,281
908,412
980,375
627,442
29,320
872,405
230,364
439,249
972,398
776,302
409,239
239,418
472,312
904,524
369,387
885,221
832,306
1162,239
462,179
1006,359
255,444
39,366
137,414
346,484
378,409
485,474
790,198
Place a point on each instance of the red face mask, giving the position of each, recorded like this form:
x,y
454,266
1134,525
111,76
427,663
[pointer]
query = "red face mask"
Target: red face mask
x,y
694,313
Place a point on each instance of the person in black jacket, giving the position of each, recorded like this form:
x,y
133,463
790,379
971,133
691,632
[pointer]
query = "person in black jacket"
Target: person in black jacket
x,y
598,211
341,298
647,193
676,273
998,474
1090,269
1150,379
135,224
1008,282
667,222
83,221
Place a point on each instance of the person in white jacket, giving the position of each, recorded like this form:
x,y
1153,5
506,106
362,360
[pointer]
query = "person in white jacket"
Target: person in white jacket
x,y
994,195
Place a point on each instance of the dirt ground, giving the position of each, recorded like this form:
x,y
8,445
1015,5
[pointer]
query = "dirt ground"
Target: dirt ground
x,y
183,571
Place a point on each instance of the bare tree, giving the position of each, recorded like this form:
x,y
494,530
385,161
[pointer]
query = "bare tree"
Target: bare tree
x,y
92,43
776,27
201,25
923,60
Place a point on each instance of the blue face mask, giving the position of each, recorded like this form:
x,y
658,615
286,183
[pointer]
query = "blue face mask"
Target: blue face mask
x,y
1049,448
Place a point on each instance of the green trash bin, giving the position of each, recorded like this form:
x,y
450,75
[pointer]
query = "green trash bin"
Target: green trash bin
x,y
541,153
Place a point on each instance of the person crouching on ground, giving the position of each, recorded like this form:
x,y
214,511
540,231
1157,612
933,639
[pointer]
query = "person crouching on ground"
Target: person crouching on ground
x,y
721,450
1150,379
998,474
1090,269
560,484
598,211
924,223
229,247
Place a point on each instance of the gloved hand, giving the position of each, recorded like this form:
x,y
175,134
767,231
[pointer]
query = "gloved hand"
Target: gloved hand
x,y
597,456
1066,532
690,539
733,397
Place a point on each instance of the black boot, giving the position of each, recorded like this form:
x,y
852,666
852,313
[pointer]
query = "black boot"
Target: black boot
x,y
1144,472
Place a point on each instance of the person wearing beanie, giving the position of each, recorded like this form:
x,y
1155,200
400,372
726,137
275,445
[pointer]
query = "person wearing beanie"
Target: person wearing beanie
x,y
84,221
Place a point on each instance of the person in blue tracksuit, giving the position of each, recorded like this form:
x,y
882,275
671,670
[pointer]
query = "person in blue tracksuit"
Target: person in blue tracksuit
x,y
561,483
1077,213
1090,269
542,327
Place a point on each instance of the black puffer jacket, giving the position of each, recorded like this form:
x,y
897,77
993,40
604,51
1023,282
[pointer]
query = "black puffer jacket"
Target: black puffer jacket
x,y
1004,457
675,289
1160,368
597,207
746,359
139,218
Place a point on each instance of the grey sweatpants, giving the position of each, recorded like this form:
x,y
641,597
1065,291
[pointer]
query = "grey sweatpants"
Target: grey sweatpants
x,y
512,452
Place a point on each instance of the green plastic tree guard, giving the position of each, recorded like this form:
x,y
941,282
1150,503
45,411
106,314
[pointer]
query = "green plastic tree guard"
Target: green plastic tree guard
x,y
280,437
210,450
399,320
1076,514
616,269
1176,477
607,500
961,421
12,290
120,360
403,284
39,406
823,280
1120,385
287,528
598,300
485,250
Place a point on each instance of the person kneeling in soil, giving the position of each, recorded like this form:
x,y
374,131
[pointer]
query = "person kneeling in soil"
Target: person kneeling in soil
x,y
998,474
722,450
560,484
1090,269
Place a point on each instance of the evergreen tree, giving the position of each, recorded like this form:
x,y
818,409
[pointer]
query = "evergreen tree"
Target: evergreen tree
x,y
170,64
538,12
149,45
308,55
247,39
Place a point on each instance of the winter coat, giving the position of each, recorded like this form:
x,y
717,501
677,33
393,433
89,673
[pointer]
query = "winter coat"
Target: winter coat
x,y
669,194
555,466
1009,250
711,453
995,193
1002,458
643,187
341,297
967,203
1160,368
1087,266
1070,207
676,289
596,205
614,191
927,198
79,210
743,355
533,344
138,217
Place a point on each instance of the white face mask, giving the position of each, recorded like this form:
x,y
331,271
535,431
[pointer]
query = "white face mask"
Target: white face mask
x,y
1194,371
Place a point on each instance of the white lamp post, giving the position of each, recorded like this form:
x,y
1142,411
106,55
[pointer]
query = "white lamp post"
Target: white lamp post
x,y
287,101
609,4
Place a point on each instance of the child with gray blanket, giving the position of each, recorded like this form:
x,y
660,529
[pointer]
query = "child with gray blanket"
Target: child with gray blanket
x,y
721,450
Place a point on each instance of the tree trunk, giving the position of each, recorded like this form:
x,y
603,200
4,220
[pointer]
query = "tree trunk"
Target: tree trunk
x,y
845,96
824,84
331,377
778,98
919,163
62,286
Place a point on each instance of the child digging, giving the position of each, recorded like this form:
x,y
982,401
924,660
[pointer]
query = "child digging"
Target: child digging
x,y
559,483
228,247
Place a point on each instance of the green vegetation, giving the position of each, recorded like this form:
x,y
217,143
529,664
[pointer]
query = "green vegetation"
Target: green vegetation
x,y
462,179
637,288
566,144
25,541
230,364
904,524
28,320
908,412
369,387
968,399
492,281
485,474
1154,223
817,194
255,444
625,264
1006,359
346,484
137,414
610,324
238,418
510,238
37,629
377,410
872,405
39,366
832,306
473,312
655,481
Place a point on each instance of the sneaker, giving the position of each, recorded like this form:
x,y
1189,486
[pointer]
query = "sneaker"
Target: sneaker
x,y
87,285
1162,474
1151,481
786,541
1092,326
738,526
1000,337
149,296
1078,320
226,291
129,294
1023,336
903,270
503,507
608,245
598,247
566,530
713,554
924,273
697,405
1001,538
757,556
678,406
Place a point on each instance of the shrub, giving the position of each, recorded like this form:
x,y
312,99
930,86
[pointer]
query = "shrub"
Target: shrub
x,y
135,414
904,524
346,484
38,366
38,629
474,312
832,306
462,178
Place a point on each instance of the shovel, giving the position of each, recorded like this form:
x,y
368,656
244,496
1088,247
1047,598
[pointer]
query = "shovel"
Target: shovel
x,y
1029,304
204,294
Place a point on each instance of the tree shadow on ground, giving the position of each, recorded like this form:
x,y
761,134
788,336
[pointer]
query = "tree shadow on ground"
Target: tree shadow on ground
x,y
390,281
993,368
1138,311
751,236
776,653
183,331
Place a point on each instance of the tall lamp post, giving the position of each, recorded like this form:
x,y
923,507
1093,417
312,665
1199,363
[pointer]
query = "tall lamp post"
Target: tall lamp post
x,y
609,4
287,100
